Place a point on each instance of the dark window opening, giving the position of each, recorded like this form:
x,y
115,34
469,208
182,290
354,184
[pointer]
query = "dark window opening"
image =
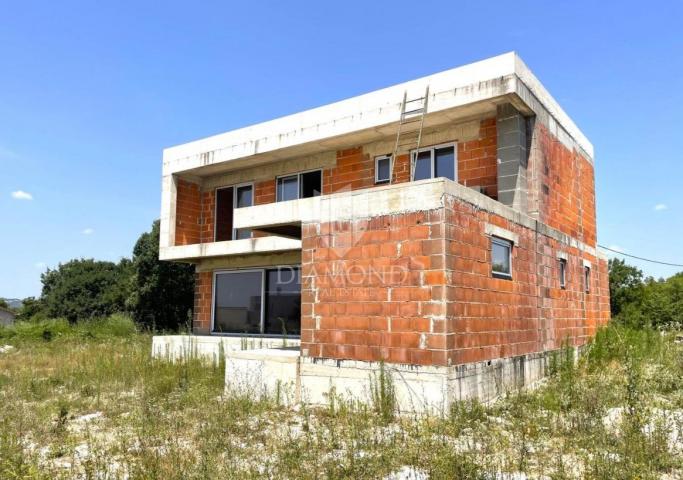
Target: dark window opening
x,y
287,188
283,302
311,184
444,162
227,199
263,301
587,278
423,166
501,258
301,185
563,273
224,207
383,169
237,303
435,162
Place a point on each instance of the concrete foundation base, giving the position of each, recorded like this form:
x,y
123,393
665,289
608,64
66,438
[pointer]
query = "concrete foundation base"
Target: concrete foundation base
x,y
291,378
266,367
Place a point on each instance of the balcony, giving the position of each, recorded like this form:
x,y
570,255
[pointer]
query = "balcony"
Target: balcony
x,y
270,244
286,218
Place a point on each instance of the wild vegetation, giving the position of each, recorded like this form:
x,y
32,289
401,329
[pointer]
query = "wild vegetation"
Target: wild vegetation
x,y
645,302
86,400
158,295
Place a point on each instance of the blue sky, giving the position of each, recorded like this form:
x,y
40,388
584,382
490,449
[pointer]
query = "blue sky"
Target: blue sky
x,y
89,96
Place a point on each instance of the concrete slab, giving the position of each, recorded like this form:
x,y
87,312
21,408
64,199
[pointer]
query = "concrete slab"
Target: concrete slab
x,y
211,347
376,113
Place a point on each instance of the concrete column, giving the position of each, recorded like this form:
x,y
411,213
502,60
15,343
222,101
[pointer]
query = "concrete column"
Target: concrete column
x,y
512,157
168,211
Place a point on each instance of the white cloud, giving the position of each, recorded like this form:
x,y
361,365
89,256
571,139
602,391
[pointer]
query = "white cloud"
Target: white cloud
x,y
22,195
88,231
660,206
40,265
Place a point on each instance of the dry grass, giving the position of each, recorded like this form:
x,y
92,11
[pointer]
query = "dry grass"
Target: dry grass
x,y
90,402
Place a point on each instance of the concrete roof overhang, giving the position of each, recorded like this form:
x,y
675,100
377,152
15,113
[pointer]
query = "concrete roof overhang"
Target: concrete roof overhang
x,y
459,94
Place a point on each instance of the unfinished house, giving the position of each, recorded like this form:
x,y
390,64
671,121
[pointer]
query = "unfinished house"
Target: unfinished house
x,y
443,228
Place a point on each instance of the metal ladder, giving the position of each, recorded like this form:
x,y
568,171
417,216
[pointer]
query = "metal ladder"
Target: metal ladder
x,y
410,125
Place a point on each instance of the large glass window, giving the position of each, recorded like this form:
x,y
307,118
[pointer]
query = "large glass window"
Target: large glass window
x,y
501,257
237,302
435,162
301,185
227,199
283,301
258,301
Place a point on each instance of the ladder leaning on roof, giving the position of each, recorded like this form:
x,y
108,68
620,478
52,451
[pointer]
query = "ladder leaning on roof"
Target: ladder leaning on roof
x,y
410,126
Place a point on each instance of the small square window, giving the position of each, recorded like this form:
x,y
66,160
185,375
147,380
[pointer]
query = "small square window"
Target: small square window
x,y
501,258
383,169
563,273
587,278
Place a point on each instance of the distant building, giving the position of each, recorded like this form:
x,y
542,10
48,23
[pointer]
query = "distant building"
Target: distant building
x,y
7,317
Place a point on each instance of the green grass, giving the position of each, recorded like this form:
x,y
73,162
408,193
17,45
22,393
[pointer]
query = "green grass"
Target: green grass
x,y
157,420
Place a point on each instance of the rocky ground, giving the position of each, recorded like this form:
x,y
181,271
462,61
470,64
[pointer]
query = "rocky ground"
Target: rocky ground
x,y
92,403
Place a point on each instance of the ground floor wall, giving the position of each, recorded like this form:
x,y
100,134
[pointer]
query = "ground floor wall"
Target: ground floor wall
x,y
417,288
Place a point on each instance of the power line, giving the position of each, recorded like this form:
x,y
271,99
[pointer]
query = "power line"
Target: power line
x,y
641,258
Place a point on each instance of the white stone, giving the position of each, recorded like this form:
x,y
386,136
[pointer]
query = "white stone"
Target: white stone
x,y
407,473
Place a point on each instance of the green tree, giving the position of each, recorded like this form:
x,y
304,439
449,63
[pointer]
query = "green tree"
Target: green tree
x,y
3,303
85,288
626,291
162,293
663,302
31,308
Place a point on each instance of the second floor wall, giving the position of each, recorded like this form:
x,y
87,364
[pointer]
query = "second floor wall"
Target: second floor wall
x,y
544,179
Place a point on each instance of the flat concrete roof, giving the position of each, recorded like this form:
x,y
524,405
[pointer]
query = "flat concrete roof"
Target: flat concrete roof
x,y
454,94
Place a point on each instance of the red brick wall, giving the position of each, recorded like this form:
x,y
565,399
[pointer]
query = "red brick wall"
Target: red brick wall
x,y
188,213
264,192
491,318
566,188
207,218
434,300
203,291
354,170
478,159
368,289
